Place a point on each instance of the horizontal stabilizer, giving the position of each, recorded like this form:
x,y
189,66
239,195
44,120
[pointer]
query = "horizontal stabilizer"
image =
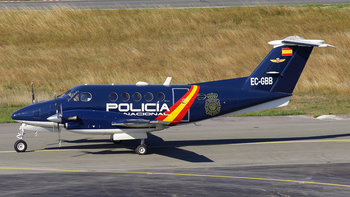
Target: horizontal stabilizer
x,y
298,41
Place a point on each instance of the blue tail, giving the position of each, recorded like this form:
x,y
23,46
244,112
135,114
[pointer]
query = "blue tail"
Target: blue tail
x,y
282,67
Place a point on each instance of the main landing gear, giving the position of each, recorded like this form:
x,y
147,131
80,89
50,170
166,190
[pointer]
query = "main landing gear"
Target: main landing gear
x,y
142,148
20,145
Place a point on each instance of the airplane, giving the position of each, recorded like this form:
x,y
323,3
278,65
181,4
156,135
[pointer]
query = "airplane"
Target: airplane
x,y
129,112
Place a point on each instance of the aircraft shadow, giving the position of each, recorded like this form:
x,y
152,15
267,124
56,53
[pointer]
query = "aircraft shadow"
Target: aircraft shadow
x,y
169,151
173,149
236,141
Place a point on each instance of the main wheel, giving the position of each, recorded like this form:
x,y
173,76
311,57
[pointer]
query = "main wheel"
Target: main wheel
x,y
20,146
141,149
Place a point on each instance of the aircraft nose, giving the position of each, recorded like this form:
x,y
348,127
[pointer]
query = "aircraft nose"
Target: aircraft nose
x,y
15,116
31,112
19,115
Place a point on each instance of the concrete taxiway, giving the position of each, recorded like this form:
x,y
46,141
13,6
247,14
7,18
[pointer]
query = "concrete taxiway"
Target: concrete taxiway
x,y
229,156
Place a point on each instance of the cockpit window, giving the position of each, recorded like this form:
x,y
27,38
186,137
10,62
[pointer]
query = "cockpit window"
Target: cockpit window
x,y
76,98
85,96
69,94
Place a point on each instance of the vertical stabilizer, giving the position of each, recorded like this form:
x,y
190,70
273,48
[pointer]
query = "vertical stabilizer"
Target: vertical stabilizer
x,y
282,67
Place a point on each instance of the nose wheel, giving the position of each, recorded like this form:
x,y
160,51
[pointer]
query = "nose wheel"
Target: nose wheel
x,y
20,146
142,148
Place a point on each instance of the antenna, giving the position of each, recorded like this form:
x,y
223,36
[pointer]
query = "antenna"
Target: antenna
x,y
167,81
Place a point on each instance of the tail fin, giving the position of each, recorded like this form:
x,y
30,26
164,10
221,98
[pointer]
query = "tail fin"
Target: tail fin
x,y
282,67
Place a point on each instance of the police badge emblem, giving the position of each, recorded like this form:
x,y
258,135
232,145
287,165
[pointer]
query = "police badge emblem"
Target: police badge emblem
x,y
212,104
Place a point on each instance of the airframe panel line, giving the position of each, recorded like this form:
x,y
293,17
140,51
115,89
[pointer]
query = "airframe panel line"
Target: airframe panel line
x,y
178,174
249,143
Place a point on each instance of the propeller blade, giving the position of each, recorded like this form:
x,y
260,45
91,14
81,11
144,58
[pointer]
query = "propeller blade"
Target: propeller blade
x,y
57,118
33,97
59,135
56,103
61,112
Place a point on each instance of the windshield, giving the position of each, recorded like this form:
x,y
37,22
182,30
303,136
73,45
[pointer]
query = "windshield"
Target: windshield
x,y
69,94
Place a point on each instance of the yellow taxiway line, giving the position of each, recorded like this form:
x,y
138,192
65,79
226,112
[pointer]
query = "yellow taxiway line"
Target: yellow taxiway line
x,y
176,174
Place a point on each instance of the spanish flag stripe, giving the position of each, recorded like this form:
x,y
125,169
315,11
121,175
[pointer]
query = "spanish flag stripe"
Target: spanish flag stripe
x,y
183,102
186,108
172,108
287,51
180,108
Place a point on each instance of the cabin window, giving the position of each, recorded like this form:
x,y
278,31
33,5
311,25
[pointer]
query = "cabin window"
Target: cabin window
x,y
113,96
85,96
201,96
125,96
160,96
148,96
136,96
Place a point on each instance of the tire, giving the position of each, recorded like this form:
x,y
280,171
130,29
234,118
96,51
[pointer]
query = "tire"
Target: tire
x,y
20,146
141,149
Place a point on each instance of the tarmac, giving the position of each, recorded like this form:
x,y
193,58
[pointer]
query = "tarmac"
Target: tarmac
x,y
228,156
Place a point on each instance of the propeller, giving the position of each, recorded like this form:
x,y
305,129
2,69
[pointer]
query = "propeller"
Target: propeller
x,y
58,120
33,98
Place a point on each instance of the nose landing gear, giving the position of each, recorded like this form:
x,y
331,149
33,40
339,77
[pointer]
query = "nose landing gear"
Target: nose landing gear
x,y
20,145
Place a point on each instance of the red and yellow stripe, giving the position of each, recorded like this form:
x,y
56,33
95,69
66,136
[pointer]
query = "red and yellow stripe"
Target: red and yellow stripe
x,y
177,112
287,52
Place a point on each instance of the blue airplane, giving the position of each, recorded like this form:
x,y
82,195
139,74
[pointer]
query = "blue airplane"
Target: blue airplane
x,y
128,112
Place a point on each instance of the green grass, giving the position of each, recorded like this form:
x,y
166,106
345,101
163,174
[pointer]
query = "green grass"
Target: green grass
x,y
6,112
332,6
313,104
61,48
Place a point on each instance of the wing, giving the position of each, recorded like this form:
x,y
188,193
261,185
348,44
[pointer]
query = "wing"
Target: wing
x,y
139,123
90,119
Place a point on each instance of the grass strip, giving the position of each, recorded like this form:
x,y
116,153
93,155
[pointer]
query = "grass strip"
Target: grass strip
x,y
61,48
